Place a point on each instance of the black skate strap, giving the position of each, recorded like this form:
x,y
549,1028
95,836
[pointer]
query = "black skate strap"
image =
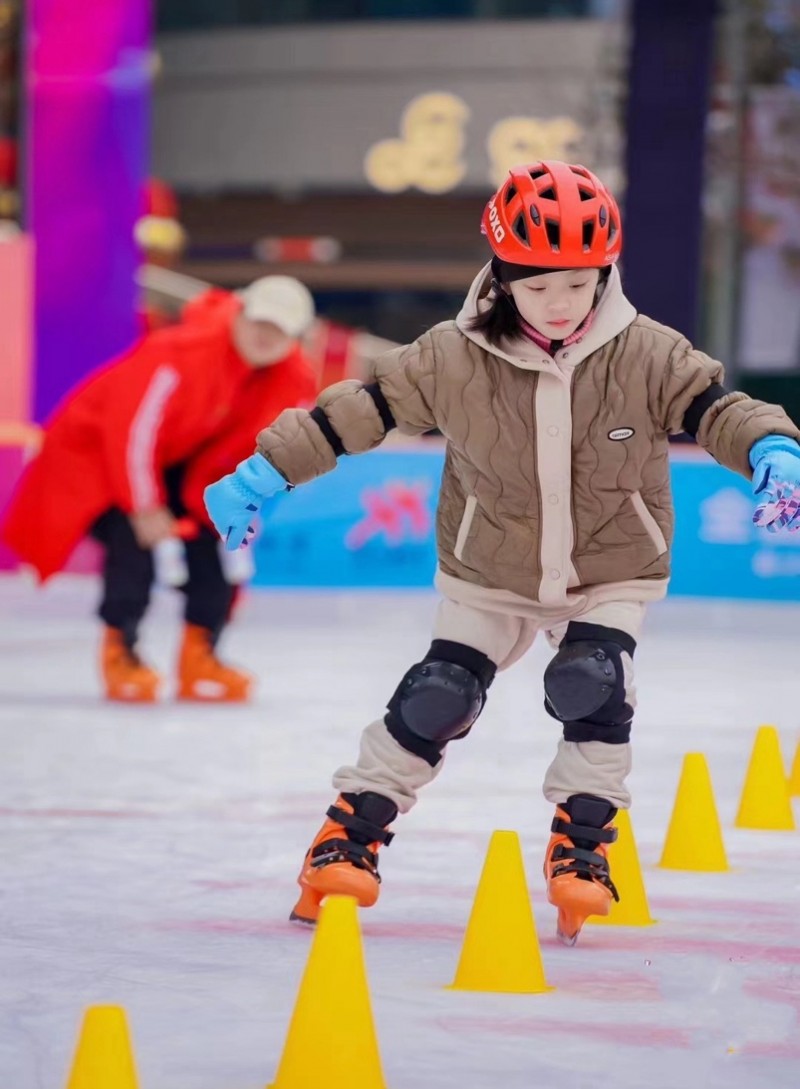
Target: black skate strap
x,y
584,862
579,854
345,847
373,832
583,831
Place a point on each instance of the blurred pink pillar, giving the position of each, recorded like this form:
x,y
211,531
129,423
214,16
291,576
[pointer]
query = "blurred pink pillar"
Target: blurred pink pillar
x,y
87,72
16,323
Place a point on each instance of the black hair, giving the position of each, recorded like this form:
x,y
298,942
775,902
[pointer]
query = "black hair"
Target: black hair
x,y
502,319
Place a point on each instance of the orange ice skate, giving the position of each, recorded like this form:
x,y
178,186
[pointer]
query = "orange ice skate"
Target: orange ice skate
x,y
203,677
125,676
343,859
576,865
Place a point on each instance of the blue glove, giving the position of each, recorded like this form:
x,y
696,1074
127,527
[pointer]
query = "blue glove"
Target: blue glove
x,y
775,460
233,500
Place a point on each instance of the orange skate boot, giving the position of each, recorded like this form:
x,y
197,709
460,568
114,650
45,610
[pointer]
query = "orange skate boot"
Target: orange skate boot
x,y
343,859
576,865
203,677
125,676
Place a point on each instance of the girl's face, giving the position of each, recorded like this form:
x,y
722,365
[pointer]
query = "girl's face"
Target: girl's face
x,y
555,303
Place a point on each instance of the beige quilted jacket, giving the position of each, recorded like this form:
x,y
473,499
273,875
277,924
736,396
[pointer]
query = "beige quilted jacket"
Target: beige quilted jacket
x,y
556,480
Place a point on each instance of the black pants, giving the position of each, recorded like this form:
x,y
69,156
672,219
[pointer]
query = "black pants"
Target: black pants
x,y
128,575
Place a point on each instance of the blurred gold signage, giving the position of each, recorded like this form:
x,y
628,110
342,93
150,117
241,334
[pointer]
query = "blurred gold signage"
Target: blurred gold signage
x,y
428,153
516,140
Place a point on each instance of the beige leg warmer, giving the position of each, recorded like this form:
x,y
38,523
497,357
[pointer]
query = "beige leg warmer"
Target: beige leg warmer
x,y
384,765
589,767
387,768
593,767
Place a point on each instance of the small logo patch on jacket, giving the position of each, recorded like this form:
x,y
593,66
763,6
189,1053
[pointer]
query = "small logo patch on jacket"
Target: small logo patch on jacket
x,y
621,433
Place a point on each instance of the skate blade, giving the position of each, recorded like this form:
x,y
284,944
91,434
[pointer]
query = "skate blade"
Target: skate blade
x,y
301,920
307,908
567,939
581,902
194,697
138,697
569,926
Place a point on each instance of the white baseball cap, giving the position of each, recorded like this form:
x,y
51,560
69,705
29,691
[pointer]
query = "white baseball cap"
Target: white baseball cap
x,y
280,299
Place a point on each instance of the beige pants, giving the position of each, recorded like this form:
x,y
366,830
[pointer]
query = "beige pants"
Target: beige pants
x,y
579,767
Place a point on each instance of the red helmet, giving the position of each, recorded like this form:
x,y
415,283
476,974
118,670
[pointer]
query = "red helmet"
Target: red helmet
x,y
553,215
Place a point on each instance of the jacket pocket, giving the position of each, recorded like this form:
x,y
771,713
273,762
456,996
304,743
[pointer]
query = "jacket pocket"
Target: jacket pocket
x,y
464,527
651,526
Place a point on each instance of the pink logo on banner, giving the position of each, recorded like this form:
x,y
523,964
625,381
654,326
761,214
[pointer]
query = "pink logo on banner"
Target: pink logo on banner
x,y
397,510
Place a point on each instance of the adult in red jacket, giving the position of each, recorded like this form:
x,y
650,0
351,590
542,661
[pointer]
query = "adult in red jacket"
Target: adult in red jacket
x,y
128,454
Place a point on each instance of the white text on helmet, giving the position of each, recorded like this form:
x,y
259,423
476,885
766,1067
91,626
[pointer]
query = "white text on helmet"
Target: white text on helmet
x,y
494,222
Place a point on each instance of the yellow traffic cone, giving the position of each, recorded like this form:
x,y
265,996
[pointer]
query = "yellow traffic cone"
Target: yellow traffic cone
x,y
794,776
765,796
104,1058
501,948
694,837
331,1043
626,873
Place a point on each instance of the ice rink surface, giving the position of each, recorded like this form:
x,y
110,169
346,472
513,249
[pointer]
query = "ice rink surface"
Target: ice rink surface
x,y
148,857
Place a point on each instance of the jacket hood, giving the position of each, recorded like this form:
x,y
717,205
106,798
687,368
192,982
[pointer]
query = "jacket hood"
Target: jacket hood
x,y
612,315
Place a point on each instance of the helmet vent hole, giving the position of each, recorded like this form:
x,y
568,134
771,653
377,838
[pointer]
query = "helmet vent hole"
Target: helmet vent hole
x,y
612,229
536,174
548,194
537,219
585,194
588,234
553,234
520,228
602,215
511,192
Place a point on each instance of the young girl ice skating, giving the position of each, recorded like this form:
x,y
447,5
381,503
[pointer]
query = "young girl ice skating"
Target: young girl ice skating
x,y
556,400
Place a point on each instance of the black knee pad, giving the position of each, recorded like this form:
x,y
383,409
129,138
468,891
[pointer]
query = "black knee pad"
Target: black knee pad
x,y
439,698
584,685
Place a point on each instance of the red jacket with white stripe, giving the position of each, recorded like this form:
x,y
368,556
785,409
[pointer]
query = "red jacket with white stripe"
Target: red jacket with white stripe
x,y
181,395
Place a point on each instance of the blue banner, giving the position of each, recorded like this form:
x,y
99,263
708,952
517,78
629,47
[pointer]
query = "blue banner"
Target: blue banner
x,y
718,552
371,524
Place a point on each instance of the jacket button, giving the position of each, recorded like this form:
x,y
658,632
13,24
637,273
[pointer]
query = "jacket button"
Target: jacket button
x,y
552,430
553,499
555,574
